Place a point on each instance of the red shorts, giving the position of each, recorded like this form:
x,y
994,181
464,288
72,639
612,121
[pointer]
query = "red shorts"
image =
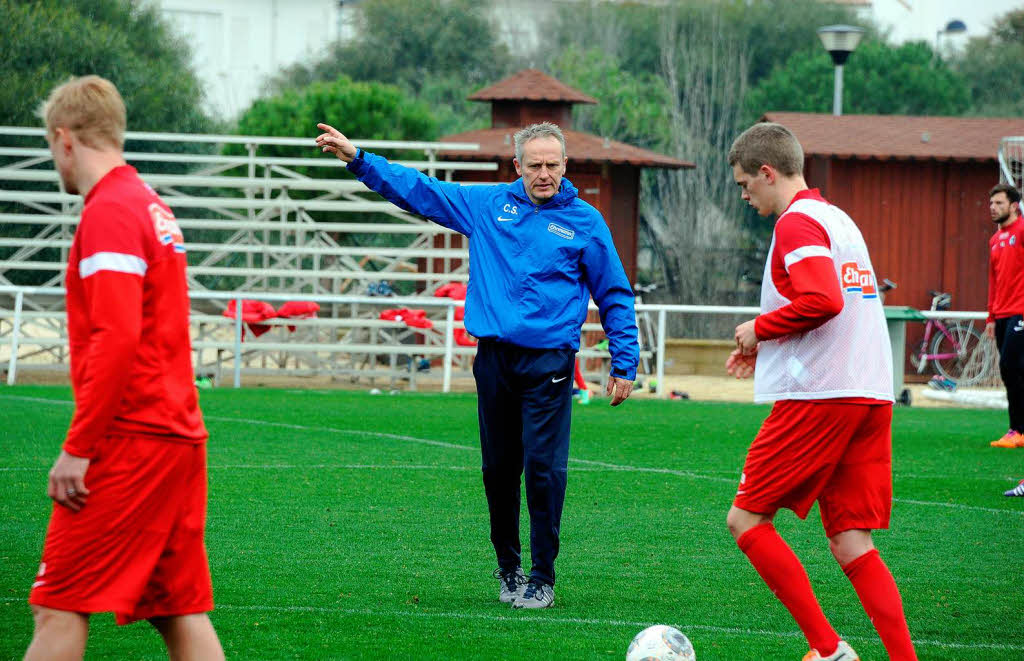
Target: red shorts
x,y
837,454
136,548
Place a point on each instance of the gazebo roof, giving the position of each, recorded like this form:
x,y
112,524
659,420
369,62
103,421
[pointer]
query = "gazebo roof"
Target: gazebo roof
x,y
531,85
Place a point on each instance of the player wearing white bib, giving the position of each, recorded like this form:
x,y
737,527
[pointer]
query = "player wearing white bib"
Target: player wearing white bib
x,y
820,351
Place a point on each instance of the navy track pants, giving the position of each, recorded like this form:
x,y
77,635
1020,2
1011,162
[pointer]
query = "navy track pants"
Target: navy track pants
x,y
1010,340
525,407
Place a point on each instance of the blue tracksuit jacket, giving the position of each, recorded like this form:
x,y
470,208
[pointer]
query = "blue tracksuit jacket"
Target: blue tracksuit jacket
x,y
530,266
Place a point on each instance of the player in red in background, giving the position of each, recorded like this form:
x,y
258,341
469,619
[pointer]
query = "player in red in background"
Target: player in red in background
x,y
1005,322
129,486
821,353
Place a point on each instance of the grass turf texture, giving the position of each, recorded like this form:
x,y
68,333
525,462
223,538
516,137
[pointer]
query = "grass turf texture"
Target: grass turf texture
x,y
349,526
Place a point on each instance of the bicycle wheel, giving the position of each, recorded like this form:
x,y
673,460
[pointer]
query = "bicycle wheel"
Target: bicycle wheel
x,y
968,358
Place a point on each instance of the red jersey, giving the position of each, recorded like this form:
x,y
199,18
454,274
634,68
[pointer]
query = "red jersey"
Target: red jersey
x,y
802,271
1006,271
127,305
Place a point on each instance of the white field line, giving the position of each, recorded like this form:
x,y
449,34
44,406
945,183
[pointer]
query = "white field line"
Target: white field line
x,y
534,620
455,446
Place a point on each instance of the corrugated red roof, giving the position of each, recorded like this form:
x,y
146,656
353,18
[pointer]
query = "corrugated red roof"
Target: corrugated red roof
x,y
497,144
898,137
531,85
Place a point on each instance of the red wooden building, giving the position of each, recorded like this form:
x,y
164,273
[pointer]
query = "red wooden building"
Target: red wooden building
x,y
918,189
606,172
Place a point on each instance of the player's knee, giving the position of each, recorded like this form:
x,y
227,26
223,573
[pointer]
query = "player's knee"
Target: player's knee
x,y
849,545
45,617
737,522
57,622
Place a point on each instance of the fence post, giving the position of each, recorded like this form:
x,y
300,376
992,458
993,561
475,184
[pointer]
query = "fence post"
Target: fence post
x,y
238,342
661,355
449,339
12,366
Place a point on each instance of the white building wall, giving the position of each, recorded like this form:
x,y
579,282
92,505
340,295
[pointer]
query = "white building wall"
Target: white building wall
x,y
238,44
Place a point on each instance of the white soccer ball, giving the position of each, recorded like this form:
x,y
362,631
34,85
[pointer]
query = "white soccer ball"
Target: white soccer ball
x,y
660,643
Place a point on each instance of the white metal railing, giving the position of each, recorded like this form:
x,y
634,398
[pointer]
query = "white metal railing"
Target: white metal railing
x,y
448,350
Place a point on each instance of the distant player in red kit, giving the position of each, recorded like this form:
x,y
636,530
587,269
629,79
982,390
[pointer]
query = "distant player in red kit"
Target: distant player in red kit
x,y
129,486
1005,322
821,353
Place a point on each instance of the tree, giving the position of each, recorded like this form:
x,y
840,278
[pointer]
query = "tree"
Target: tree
x,y
691,217
671,79
46,41
631,106
627,33
771,31
439,51
361,109
687,103
878,79
991,66
384,112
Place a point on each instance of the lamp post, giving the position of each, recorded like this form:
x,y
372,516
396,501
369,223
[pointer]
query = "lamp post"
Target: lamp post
x,y
839,41
956,26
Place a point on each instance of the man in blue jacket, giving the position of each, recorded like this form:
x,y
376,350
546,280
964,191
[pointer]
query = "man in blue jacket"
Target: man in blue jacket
x,y
537,253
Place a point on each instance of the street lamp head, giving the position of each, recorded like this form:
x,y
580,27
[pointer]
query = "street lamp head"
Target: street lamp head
x,y
840,41
956,26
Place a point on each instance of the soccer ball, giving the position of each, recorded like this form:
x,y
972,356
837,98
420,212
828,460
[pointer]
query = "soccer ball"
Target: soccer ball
x,y
660,643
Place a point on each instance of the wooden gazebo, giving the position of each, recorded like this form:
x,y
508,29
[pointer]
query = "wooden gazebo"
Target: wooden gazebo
x,y
606,172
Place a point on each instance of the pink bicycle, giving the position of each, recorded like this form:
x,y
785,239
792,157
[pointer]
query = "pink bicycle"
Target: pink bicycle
x,y
958,351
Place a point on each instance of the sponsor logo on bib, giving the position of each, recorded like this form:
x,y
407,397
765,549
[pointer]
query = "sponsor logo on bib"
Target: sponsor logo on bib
x,y
857,279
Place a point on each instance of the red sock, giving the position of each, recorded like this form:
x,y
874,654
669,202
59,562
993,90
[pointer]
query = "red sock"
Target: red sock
x,y
781,570
881,599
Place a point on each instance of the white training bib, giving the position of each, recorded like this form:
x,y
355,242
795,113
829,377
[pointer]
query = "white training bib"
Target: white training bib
x,y
849,355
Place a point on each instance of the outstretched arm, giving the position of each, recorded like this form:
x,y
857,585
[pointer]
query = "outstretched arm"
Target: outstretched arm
x,y
443,202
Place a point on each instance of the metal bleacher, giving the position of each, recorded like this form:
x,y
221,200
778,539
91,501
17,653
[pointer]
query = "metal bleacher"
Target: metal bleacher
x,y
265,218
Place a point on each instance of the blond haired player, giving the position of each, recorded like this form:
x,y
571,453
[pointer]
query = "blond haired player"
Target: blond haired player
x,y
129,486
820,351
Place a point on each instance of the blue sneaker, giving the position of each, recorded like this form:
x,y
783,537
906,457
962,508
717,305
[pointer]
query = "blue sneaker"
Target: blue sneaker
x,y
939,382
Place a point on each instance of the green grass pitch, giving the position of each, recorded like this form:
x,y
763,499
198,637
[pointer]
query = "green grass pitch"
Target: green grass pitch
x,y
349,526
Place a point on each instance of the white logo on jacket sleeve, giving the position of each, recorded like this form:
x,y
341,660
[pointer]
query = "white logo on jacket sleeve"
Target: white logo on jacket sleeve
x,y
558,230
166,227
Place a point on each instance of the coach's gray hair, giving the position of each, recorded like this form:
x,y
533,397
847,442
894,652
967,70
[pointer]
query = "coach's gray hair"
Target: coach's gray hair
x,y
542,130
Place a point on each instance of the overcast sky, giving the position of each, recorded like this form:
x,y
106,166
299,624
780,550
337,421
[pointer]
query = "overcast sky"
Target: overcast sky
x,y
924,18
